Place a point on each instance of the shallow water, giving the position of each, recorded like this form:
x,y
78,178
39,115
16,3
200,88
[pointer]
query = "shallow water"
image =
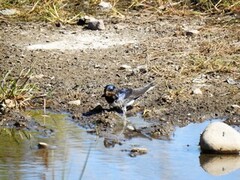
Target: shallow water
x,y
177,158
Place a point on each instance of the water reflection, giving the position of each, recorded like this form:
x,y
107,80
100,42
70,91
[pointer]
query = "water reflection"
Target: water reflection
x,y
69,149
218,165
44,155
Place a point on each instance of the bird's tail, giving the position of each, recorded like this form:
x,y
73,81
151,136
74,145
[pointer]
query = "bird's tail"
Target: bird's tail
x,y
149,86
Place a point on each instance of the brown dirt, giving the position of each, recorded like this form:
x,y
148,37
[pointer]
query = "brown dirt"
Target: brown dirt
x,y
173,57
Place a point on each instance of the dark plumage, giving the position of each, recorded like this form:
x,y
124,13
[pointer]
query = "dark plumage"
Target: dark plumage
x,y
122,98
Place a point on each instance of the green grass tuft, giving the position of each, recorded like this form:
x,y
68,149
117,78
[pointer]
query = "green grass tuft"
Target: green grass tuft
x,y
17,91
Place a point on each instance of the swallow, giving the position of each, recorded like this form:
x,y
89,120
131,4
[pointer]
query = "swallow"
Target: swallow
x,y
123,98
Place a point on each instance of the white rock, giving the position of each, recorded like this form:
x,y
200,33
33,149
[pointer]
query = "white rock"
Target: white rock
x,y
219,137
202,78
141,68
197,91
235,106
8,12
96,25
75,102
125,67
231,81
139,149
10,103
131,127
190,32
105,5
88,19
42,145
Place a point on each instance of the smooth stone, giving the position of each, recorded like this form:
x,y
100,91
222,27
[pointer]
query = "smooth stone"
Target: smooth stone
x,y
219,137
197,91
88,19
125,67
42,145
190,32
231,81
131,127
105,5
10,103
8,12
235,106
141,68
91,23
202,78
137,151
96,25
85,20
75,102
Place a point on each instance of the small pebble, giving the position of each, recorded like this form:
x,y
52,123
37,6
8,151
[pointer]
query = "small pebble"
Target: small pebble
x,y
200,79
42,145
96,25
235,106
131,127
75,102
197,91
137,151
190,32
8,12
105,5
141,68
125,67
231,81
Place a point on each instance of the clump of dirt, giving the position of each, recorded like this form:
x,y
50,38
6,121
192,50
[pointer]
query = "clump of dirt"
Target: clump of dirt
x,y
190,60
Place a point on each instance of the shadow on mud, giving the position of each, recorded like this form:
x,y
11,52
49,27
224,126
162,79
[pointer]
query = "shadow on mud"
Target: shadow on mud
x,y
99,109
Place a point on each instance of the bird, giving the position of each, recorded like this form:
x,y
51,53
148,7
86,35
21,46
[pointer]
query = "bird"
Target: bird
x,y
125,97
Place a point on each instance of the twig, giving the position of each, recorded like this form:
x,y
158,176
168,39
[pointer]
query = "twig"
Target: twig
x,y
44,106
34,6
85,163
215,6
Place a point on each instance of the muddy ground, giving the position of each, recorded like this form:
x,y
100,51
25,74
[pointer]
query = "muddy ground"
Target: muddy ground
x,y
194,62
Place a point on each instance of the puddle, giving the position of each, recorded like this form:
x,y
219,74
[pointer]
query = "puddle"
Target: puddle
x,y
174,159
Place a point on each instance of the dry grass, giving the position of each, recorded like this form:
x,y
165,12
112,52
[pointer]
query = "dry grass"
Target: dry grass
x,y
55,13
207,65
175,81
217,47
66,11
217,5
45,10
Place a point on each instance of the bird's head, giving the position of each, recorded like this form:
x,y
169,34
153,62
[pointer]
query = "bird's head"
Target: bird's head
x,y
109,91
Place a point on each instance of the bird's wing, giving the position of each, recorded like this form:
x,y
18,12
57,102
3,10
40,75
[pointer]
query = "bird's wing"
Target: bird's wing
x,y
140,91
126,97
124,94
